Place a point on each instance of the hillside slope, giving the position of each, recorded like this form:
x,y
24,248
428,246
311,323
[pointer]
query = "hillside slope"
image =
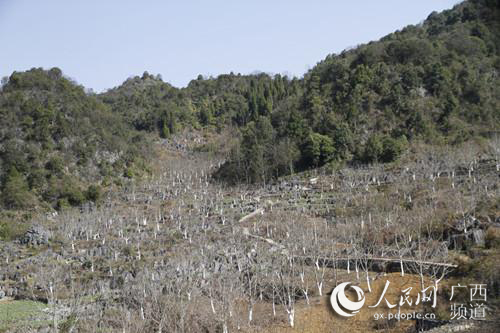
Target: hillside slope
x,y
435,82
58,143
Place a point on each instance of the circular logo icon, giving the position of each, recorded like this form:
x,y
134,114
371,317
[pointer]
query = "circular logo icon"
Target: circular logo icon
x,y
342,305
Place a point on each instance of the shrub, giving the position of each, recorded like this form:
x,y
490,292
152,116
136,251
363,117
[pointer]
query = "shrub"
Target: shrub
x,y
392,148
62,204
15,193
55,164
93,193
318,149
383,148
10,230
373,149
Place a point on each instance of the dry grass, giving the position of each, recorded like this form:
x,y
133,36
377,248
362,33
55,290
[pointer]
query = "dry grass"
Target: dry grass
x,y
320,318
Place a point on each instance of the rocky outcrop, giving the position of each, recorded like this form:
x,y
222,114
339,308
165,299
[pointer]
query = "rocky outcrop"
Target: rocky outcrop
x,y
36,235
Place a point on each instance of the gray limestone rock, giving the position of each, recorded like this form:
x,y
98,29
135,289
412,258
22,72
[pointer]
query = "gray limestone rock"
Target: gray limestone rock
x,y
36,235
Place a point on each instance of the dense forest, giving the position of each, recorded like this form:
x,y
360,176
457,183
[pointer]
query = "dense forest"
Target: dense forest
x,y
435,82
60,144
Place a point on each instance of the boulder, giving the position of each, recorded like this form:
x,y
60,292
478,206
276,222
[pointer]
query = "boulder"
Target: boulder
x,y
36,235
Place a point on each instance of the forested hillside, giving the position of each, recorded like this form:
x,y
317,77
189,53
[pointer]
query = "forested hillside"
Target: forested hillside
x,y
147,103
243,203
150,104
436,82
58,144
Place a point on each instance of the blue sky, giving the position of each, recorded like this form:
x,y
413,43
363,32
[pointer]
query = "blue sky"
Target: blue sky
x,y
101,43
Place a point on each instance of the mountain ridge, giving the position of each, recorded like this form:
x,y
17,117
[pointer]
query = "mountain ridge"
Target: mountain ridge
x,y
434,82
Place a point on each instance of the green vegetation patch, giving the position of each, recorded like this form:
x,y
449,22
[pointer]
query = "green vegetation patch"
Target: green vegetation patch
x,y
16,313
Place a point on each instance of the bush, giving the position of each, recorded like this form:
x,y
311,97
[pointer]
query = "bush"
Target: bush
x,y
383,148
10,230
74,196
392,148
318,149
93,193
373,149
15,193
62,204
37,179
55,164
